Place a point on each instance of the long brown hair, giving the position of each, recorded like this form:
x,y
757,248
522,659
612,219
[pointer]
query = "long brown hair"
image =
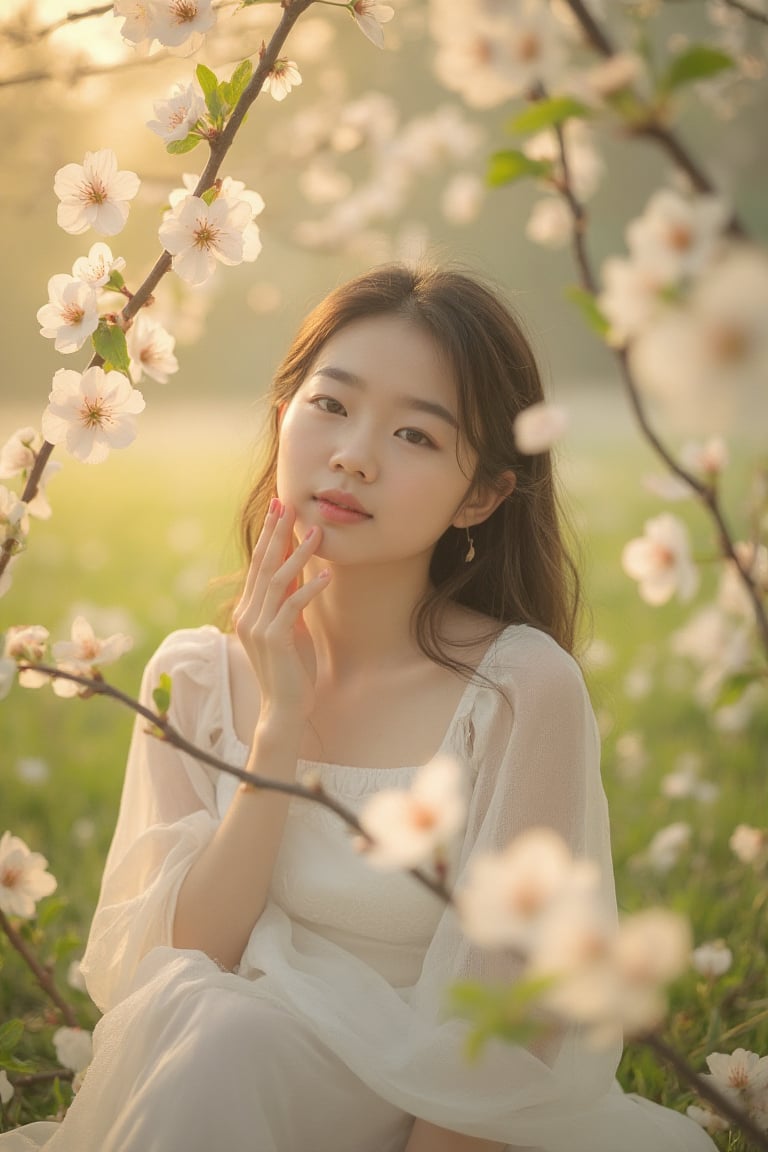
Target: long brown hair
x,y
522,572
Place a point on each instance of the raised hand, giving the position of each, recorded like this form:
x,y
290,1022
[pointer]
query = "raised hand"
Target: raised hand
x,y
268,619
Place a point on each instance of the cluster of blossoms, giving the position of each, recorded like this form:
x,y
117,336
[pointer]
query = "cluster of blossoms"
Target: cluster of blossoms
x,y
84,654
179,25
742,1077
537,900
689,305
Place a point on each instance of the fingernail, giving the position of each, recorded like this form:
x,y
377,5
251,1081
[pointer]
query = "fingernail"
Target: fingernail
x,y
310,534
281,509
273,505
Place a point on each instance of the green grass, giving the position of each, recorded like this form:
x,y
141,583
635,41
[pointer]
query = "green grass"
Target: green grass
x,y
136,540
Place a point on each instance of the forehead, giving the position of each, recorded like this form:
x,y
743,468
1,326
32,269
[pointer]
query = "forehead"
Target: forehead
x,y
388,351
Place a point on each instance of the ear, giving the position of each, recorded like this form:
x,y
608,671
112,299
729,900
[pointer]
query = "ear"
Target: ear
x,y
485,502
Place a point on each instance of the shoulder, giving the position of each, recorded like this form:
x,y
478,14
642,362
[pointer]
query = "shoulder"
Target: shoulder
x,y
526,661
192,653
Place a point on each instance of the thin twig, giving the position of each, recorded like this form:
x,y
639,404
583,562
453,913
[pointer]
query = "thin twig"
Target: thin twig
x,y
650,127
747,10
42,975
706,493
100,687
33,1078
704,1088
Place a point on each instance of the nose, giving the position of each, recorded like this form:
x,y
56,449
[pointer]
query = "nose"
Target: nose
x,y
354,454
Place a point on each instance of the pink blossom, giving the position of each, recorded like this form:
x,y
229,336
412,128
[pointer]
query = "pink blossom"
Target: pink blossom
x,y
284,76
23,877
198,235
71,314
94,194
91,413
661,561
369,16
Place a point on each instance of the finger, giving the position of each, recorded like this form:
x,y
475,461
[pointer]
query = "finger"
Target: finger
x,y
284,581
292,607
257,556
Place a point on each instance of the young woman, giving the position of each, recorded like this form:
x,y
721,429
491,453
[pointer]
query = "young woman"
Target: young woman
x,y
408,592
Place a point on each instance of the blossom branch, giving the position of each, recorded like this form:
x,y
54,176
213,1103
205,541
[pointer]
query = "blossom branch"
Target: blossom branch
x,y
703,1087
219,146
99,687
747,10
41,973
651,127
706,493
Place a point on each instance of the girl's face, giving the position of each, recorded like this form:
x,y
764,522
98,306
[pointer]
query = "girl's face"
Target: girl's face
x,y
370,448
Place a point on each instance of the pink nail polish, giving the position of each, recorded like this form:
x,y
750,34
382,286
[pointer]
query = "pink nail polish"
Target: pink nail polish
x,y
310,533
273,505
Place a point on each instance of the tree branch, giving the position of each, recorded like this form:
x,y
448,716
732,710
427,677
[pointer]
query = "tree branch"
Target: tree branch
x,y
705,1089
219,147
100,687
650,127
747,10
706,493
42,974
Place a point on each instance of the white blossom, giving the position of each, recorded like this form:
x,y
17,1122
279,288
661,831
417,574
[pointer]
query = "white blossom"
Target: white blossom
x,y
616,73
661,561
177,23
710,457
585,165
676,235
748,844
712,959
71,314
233,192
696,357
463,197
27,644
150,349
667,846
6,1088
17,458
630,297
137,26
23,877
96,268
13,514
75,977
369,16
177,115
410,827
508,894
74,1048
742,1075
84,654
550,223
94,194
284,76
91,413
707,1119
685,783
539,426
198,235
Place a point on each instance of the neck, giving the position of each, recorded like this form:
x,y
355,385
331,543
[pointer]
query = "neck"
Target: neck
x,y
363,619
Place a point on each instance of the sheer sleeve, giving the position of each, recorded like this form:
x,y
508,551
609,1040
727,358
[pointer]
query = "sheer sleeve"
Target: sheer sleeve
x,y
167,815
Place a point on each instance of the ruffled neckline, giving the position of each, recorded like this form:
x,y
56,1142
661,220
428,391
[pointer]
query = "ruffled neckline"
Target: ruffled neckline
x,y
327,767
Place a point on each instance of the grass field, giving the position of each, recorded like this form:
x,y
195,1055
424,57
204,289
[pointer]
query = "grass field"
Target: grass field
x,y
133,544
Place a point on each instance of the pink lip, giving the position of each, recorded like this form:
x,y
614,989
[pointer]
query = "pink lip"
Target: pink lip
x,y
343,501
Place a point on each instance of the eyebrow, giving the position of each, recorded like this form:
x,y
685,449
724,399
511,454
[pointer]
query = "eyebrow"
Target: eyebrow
x,y
414,402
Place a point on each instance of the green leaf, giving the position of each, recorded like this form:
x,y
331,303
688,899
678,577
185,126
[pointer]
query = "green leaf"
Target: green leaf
x,y
239,80
698,62
109,341
10,1034
734,687
207,80
161,695
510,165
548,114
209,195
178,147
50,910
115,281
587,305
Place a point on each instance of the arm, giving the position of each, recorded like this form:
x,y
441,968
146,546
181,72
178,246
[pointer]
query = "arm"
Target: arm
x,y
429,1138
226,889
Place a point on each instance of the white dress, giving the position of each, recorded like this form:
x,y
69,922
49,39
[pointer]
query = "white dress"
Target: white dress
x,y
333,1034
